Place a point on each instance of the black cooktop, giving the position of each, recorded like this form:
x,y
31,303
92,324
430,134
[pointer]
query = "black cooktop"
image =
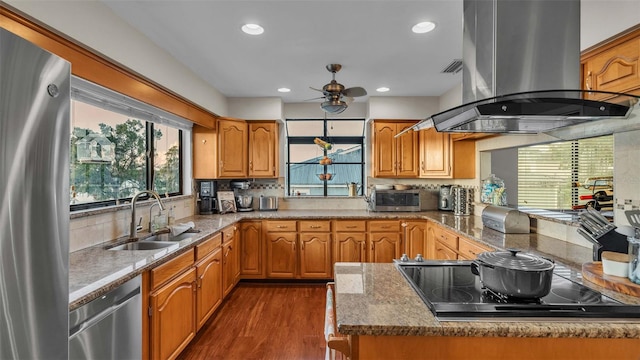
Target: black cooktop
x,y
452,292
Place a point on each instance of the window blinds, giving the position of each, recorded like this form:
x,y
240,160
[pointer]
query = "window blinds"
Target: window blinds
x,y
546,172
96,95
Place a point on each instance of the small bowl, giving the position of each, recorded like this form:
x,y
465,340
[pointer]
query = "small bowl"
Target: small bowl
x,y
383,187
616,264
402,187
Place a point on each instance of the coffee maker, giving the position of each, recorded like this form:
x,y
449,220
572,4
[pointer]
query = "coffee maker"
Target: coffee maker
x,y
207,202
445,198
244,201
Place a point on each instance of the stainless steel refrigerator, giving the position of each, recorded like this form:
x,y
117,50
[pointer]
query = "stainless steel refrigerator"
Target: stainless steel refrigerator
x,y
34,201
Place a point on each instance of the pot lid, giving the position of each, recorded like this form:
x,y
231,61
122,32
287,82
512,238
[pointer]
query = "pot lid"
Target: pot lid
x,y
514,259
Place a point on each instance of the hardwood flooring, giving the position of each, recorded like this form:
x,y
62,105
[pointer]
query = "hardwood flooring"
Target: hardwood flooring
x,y
264,321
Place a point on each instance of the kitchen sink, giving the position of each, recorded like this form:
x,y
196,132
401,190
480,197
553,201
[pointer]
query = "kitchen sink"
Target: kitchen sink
x,y
143,245
166,237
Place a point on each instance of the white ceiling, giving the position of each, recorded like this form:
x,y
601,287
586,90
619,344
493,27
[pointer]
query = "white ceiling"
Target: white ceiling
x,y
371,39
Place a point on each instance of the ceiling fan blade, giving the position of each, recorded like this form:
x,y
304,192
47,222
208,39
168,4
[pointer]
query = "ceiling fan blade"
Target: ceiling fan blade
x,y
317,98
354,92
312,88
347,99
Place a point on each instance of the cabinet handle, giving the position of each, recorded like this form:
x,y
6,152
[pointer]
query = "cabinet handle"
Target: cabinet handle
x,y
422,165
386,227
250,165
293,245
314,226
216,261
195,286
200,282
221,164
362,248
281,226
351,227
302,246
587,81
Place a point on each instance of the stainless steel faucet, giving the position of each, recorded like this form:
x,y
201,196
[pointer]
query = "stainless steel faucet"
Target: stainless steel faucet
x,y
132,229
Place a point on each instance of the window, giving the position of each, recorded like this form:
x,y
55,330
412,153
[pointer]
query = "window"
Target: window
x,y
119,147
308,171
548,174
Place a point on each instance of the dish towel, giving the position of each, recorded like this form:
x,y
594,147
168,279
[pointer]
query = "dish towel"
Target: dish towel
x,y
181,228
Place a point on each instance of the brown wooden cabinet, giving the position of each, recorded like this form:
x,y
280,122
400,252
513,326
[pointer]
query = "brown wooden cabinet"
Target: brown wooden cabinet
x,y
205,148
230,259
415,238
613,66
435,154
385,241
209,282
251,250
394,157
315,255
281,255
232,148
263,149
350,241
172,304
469,249
444,244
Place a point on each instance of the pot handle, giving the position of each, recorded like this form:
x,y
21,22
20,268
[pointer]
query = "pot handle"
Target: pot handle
x,y
474,268
475,264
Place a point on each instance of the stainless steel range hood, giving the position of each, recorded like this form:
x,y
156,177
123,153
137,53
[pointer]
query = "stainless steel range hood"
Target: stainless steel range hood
x,y
521,68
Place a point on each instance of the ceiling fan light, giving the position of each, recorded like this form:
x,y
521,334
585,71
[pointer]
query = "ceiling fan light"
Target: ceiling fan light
x,y
423,27
382,89
284,90
252,29
334,106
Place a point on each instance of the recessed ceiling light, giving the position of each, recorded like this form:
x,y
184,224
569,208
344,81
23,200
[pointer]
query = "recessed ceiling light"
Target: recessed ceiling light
x,y
382,89
423,27
284,89
252,29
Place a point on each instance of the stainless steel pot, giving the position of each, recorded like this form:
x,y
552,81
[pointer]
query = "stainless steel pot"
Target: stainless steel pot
x,y
244,201
514,274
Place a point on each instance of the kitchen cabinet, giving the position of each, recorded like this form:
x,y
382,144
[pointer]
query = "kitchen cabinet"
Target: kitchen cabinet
x,y
209,278
385,242
263,149
230,259
444,156
281,240
613,66
232,148
444,244
251,250
315,249
350,241
172,304
469,249
415,238
205,142
395,157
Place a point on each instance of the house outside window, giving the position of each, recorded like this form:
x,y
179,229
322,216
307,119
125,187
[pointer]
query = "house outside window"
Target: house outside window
x,y
324,155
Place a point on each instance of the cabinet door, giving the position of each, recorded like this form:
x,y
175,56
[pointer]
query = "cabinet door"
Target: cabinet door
x,y
204,153
209,294
614,70
442,252
232,149
350,247
229,252
384,247
415,238
251,254
173,318
281,255
263,149
469,249
384,149
315,255
407,152
435,154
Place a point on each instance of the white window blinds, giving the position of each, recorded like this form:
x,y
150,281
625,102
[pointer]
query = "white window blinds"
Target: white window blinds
x,y
546,172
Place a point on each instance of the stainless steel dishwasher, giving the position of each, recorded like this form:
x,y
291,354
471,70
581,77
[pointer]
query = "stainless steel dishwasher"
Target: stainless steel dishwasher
x,y
109,327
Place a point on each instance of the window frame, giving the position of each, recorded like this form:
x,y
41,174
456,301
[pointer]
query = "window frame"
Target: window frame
x,y
337,140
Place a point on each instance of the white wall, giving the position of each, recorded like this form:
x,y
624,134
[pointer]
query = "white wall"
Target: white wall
x,y
395,107
602,19
451,98
114,38
312,110
255,108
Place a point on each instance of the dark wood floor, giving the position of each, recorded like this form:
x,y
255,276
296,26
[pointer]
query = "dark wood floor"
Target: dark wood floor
x,y
264,321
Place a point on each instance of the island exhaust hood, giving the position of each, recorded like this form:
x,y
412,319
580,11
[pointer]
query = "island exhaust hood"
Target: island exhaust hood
x,y
521,71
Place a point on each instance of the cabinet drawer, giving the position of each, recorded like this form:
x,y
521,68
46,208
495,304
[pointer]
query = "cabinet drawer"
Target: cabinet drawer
x,y
166,271
448,238
313,226
228,233
443,252
207,246
351,225
470,249
386,226
288,225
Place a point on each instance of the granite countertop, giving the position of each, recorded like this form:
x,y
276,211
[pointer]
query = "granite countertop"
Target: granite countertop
x,y
96,270
375,299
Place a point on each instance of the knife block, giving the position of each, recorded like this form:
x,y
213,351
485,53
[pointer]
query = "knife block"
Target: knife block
x,y
611,241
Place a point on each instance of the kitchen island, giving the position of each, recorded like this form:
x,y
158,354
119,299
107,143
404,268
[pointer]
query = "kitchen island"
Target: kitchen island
x,y
385,319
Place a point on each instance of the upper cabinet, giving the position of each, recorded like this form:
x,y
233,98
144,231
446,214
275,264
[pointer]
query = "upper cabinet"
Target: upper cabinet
x,y
394,157
236,149
263,149
435,154
613,66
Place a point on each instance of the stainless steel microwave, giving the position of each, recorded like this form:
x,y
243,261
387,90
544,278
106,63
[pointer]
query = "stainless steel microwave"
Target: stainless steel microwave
x,y
395,200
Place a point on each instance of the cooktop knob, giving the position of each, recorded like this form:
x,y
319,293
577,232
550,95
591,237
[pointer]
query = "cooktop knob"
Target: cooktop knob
x,y
419,258
404,258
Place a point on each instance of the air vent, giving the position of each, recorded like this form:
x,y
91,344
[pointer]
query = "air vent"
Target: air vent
x,y
454,67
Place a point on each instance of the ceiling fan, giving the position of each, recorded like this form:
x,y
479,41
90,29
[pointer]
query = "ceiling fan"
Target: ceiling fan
x,y
337,97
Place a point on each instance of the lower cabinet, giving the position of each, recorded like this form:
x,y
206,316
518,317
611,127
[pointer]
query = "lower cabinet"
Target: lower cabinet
x,y
251,253
415,238
315,256
350,241
230,259
281,255
444,244
172,304
385,241
209,282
